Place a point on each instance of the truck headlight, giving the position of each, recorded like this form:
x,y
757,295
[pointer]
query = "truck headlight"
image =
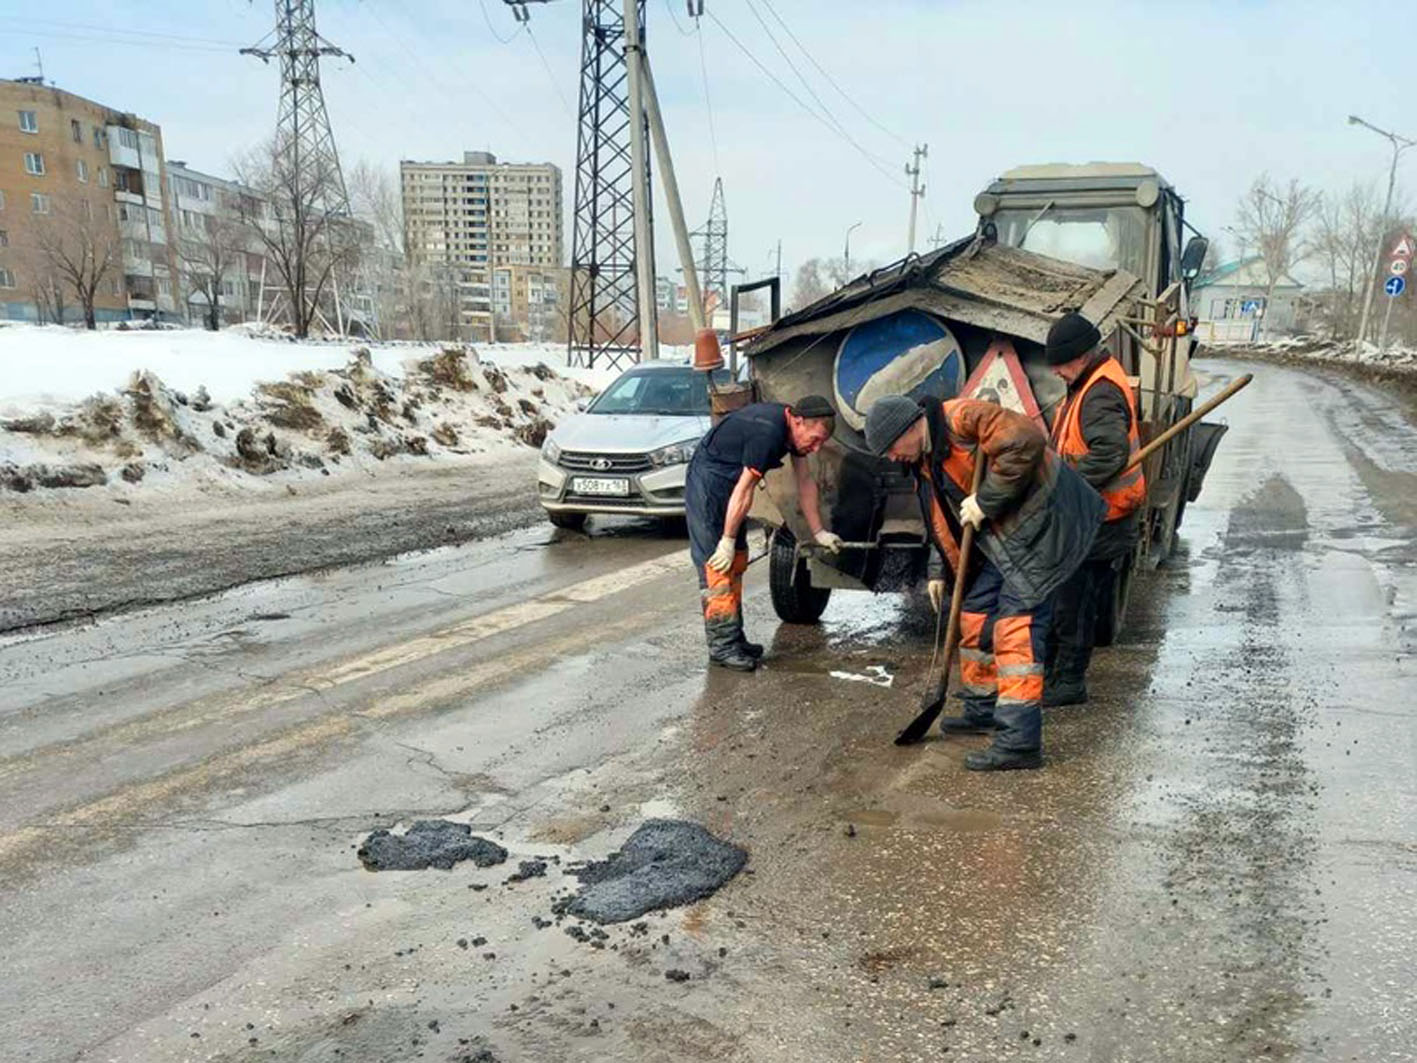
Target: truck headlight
x,y
550,451
674,454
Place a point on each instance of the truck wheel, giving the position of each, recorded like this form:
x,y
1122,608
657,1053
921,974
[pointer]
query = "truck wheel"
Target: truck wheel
x,y
569,521
793,597
1112,611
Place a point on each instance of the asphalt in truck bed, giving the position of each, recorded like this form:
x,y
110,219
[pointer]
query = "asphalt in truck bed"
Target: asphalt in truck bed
x,y
1217,863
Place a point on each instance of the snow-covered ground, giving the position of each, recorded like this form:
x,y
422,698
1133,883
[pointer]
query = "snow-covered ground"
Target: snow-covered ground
x,y
190,407
1313,348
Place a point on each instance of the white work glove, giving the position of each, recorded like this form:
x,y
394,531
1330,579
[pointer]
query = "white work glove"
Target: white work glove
x,y
971,514
936,589
828,541
721,560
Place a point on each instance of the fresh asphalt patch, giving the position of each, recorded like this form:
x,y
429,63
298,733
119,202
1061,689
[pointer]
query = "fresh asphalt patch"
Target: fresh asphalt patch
x,y
666,863
428,843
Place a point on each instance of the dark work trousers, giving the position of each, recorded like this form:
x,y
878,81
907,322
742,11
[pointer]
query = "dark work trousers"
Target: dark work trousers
x,y
1002,643
705,507
1075,608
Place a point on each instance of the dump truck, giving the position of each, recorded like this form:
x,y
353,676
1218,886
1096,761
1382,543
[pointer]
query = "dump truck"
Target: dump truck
x,y
1105,239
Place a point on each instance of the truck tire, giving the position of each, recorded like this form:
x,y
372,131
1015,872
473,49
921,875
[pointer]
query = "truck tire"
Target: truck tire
x,y
794,598
1112,611
569,521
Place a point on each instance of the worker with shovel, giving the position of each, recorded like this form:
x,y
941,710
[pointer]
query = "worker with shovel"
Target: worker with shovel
x,y
1095,432
985,467
718,492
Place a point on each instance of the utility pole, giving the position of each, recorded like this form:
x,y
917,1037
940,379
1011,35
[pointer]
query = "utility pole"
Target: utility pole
x,y
778,271
1399,145
640,191
912,170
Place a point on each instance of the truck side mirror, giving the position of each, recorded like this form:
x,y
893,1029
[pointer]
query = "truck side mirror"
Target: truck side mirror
x,y
1193,257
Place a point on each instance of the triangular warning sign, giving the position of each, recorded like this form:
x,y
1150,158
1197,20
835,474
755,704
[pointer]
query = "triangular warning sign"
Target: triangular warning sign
x,y
1403,248
1000,378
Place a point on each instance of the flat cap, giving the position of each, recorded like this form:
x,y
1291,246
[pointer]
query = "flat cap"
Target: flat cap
x,y
888,419
1071,335
812,406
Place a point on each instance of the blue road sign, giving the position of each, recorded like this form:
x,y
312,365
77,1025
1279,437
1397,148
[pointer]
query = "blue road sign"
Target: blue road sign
x,y
1249,306
1394,286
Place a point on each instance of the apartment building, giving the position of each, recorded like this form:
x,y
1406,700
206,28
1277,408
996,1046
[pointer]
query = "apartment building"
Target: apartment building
x,y
477,216
78,172
209,219
530,302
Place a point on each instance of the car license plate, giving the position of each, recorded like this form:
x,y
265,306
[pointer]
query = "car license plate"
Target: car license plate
x,y
582,485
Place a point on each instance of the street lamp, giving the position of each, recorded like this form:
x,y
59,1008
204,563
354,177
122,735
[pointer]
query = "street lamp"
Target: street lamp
x,y
1399,145
846,255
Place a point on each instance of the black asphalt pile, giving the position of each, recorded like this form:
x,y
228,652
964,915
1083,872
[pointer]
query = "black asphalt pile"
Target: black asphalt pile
x,y
666,863
427,843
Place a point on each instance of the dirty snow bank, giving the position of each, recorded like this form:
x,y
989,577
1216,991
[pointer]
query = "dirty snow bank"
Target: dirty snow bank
x,y
79,409
1397,359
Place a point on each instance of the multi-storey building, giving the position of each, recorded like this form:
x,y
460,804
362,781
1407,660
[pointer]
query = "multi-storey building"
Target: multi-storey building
x,y
480,215
210,218
529,302
78,171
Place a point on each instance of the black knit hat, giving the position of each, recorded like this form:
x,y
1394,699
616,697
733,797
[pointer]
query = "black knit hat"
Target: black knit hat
x,y
812,407
1069,337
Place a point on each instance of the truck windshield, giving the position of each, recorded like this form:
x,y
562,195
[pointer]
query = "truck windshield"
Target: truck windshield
x,y
1100,237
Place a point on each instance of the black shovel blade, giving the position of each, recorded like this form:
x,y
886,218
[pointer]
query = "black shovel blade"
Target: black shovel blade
x,y
919,727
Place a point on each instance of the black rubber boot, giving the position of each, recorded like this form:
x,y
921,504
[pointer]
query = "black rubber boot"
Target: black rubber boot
x,y
752,649
968,725
993,759
724,643
1064,691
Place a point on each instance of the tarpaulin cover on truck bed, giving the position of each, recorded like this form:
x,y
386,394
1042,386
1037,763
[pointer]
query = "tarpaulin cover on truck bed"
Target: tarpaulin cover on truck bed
x,y
982,283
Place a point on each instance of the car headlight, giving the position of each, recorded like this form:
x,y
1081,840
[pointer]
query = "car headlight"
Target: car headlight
x,y
550,451
674,454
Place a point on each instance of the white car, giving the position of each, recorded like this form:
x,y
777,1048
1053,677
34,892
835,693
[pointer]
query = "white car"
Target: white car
x,y
629,451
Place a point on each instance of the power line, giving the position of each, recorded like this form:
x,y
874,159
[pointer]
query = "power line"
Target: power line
x,y
708,104
491,28
550,75
831,80
797,100
135,43
831,117
31,22
677,24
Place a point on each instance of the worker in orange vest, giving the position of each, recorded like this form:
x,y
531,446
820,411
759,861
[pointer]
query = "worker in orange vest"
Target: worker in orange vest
x,y
1095,432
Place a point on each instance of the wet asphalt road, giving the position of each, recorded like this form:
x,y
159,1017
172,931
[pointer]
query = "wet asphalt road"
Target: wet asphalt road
x,y
1219,861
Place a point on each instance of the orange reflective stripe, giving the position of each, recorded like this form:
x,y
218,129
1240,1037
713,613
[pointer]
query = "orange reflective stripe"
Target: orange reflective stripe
x,y
1020,676
976,675
721,597
1125,492
971,629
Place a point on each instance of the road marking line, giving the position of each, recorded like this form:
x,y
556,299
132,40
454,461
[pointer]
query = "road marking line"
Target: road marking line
x,y
462,634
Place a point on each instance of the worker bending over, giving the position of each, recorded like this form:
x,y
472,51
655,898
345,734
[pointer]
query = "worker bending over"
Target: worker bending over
x,y
1036,520
1095,432
725,469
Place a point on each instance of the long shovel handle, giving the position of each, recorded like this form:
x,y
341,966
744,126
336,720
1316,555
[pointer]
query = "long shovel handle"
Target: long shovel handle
x,y
1188,420
919,727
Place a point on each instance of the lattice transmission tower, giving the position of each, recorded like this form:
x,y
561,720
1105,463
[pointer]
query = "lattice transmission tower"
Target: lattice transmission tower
x,y
305,165
604,315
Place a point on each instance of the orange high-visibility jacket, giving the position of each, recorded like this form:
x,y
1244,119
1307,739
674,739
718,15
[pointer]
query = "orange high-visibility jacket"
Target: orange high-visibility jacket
x,y
1125,492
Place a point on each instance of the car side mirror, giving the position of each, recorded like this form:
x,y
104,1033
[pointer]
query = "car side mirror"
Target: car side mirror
x,y
1193,257
582,405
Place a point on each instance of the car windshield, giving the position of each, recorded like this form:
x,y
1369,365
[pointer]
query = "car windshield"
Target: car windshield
x,y
672,392
1100,237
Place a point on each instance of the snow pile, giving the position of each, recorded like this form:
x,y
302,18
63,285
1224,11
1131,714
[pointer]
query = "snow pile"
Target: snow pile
x,y
343,408
1396,358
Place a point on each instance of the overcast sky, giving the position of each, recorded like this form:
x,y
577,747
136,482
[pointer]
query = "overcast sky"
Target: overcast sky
x,y
1211,94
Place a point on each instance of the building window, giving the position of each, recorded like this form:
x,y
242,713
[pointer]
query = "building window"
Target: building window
x,y
34,163
97,137
83,170
127,138
7,279
102,176
75,131
117,286
2,200
28,122
4,238
39,203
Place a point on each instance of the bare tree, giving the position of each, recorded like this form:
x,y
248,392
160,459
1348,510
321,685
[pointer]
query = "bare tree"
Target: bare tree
x,y
819,277
1272,220
305,240
1346,228
374,199
79,247
206,255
